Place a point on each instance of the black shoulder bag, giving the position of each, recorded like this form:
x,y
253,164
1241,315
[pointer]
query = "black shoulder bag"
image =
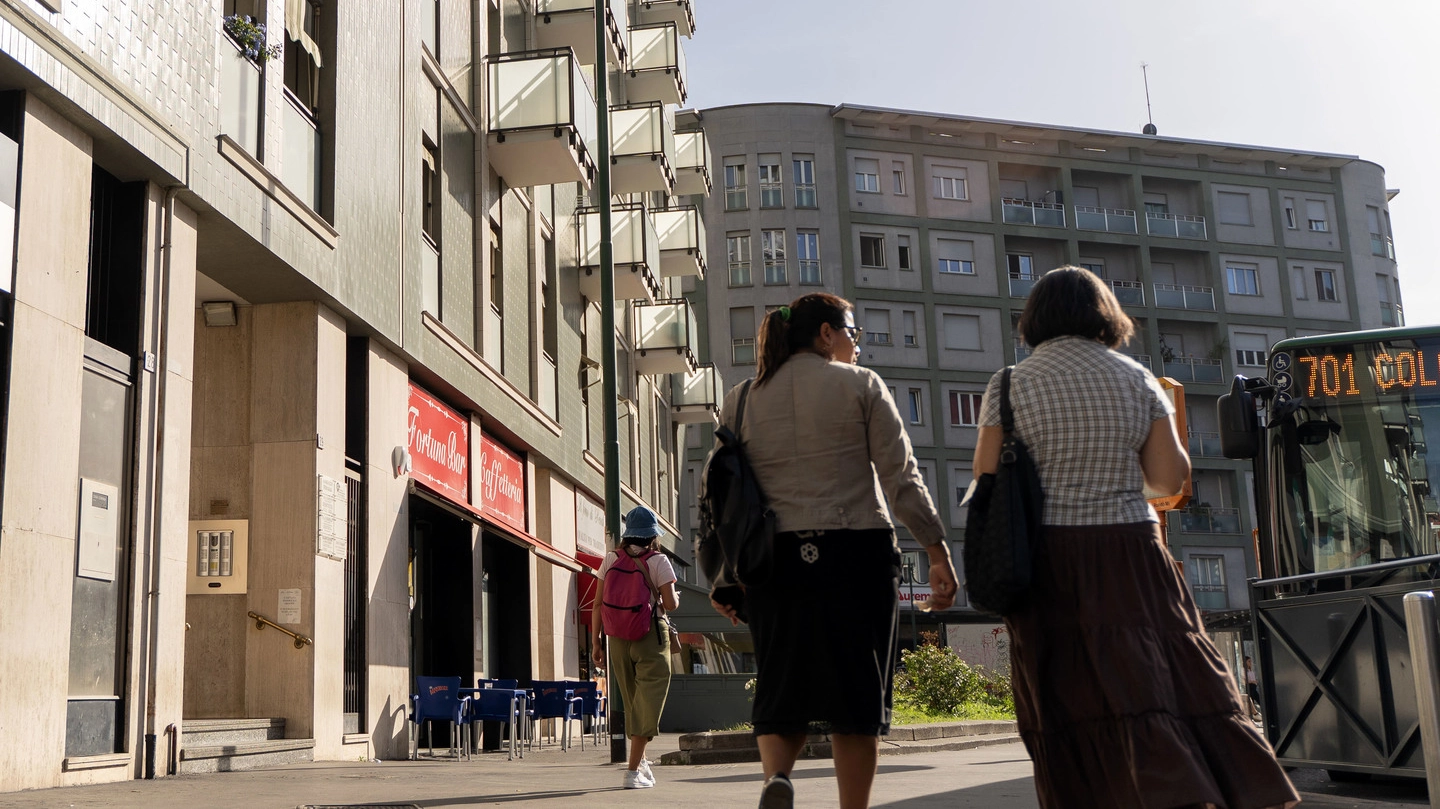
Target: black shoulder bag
x,y
1002,530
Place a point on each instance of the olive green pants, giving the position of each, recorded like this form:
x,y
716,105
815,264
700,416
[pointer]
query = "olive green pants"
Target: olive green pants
x,y
641,670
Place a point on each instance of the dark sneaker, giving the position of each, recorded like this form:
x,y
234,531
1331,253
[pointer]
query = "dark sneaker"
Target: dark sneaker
x,y
778,793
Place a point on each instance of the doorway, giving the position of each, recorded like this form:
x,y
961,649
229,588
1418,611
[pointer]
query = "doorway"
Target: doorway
x,y
506,618
441,580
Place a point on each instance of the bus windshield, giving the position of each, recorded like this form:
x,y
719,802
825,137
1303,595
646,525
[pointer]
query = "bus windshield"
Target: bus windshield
x,y
1347,448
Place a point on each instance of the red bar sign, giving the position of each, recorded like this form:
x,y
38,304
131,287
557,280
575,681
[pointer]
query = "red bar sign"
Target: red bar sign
x,y
502,484
439,446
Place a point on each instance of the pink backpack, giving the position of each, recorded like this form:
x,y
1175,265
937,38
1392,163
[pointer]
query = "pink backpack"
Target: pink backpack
x,y
629,606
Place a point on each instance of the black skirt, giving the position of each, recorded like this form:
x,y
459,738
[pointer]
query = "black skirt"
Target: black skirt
x,y
825,633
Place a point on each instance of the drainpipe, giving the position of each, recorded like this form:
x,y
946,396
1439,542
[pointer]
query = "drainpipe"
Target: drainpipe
x,y
152,585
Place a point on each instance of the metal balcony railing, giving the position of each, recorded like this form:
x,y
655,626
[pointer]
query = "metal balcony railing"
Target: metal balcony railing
x,y
1128,292
1206,520
1110,220
680,12
239,97
642,148
810,272
635,249
1382,245
775,272
1020,284
740,274
692,163
742,351
561,24
1391,314
1204,445
694,396
667,337
1193,369
1180,296
542,120
1210,596
300,152
1143,359
1175,225
657,64
681,231
1027,212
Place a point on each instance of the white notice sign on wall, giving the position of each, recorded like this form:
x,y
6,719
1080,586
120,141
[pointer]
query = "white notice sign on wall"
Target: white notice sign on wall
x,y
331,518
289,610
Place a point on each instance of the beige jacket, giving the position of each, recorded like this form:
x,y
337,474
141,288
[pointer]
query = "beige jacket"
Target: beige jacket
x,y
828,448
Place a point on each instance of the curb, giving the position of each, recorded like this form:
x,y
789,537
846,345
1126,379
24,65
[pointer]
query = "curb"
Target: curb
x,y
735,747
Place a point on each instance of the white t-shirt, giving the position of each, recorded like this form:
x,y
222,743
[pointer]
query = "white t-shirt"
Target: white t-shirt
x,y
661,571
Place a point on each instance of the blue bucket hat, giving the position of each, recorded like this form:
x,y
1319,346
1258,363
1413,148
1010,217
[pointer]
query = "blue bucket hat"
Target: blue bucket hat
x,y
641,523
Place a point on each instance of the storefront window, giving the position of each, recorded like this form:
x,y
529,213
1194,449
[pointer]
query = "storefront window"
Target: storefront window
x,y
717,653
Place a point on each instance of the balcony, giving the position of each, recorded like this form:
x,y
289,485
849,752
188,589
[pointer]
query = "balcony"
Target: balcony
x,y
561,24
1179,296
642,149
1143,359
429,277
1131,293
681,232
1020,284
1382,245
657,65
300,152
1206,520
692,164
1204,445
695,396
547,387
1025,212
239,97
1391,314
635,249
667,337
679,12
542,119
1174,225
1109,220
1210,596
1193,369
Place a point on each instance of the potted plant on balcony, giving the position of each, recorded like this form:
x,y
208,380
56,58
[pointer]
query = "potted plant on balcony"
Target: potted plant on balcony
x,y
251,37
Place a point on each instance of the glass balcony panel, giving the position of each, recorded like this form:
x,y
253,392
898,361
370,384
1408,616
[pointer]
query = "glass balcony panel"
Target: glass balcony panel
x,y
810,272
549,399
239,97
1195,521
657,65
642,142
681,233
1159,224
1050,217
1179,370
692,163
666,337
542,119
1210,596
679,12
1129,292
561,24
694,395
1020,285
300,153
1200,298
1169,296
1089,218
1021,352
1225,520
1194,369
1121,222
1016,212
635,250
1208,371
1143,359
1204,445
1191,227
429,278
1026,212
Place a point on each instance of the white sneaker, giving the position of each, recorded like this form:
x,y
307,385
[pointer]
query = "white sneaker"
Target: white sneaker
x,y
645,770
634,779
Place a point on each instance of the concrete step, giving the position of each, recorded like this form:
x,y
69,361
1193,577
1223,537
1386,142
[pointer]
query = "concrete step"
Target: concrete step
x,y
245,756
733,747
211,732
948,743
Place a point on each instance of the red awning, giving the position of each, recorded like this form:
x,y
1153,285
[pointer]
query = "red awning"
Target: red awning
x,y
586,585
466,511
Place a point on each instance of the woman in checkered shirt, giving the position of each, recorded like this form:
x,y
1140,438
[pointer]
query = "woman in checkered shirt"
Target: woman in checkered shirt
x,y
1122,700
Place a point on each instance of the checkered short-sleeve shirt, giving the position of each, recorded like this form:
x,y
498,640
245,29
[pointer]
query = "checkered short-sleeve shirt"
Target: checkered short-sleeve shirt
x,y
1084,411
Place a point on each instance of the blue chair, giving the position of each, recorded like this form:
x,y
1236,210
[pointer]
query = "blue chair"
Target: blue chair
x,y
439,698
499,705
592,706
554,699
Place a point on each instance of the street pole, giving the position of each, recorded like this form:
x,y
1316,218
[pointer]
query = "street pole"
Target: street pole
x,y
910,568
608,363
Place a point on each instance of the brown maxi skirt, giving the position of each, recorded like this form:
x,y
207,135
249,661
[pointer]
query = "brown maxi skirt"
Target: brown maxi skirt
x,y
1122,700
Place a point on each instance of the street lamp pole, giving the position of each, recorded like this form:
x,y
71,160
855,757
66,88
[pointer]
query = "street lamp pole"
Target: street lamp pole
x,y
910,569
608,362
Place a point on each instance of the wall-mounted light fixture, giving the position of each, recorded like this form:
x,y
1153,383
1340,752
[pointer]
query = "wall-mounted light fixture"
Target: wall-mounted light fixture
x,y
219,313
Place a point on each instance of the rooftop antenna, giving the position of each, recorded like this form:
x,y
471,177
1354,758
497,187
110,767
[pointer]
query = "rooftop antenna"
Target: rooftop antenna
x,y
1149,127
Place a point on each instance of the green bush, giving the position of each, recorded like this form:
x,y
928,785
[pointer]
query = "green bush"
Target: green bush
x,y
936,681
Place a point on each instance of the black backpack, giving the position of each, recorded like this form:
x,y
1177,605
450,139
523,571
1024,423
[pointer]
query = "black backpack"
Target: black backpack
x,y
737,528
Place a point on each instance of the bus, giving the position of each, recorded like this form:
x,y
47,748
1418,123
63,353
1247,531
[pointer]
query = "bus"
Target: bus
x,y
1347,524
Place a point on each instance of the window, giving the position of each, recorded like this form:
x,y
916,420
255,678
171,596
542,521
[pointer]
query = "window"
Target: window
x,y
1325,285
1290,213
950,183
1249,356
1094,265
1298,284
897,178
965,408
735,197
867,175
737,248
804,179
877,327
807,251
1207,582
872,250
903,248
907,329
1233,208
549,307
915,406
772,251
1157,204
742,335
1315,215
1241,279
955,257
1250,350
772,191
429,191
1021,265
962,332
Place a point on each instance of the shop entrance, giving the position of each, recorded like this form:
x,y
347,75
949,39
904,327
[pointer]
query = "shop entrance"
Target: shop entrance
x,y
441,580
507,609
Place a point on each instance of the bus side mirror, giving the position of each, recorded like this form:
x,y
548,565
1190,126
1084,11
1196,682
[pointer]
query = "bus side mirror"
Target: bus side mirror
x,y
1239,426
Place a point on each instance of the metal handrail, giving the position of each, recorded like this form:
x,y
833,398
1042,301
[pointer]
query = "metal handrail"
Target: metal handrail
x,y
1173,216
1184,288
1378,567
301,641
1126,212
1026,203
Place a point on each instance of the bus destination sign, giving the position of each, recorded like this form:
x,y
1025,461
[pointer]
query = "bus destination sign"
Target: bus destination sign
x,y
1357,371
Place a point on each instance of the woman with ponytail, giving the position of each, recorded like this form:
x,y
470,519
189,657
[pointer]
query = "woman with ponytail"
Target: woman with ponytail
x,y
825,441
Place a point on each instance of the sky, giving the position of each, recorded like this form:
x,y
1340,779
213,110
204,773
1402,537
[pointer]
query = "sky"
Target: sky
x,y
1316,75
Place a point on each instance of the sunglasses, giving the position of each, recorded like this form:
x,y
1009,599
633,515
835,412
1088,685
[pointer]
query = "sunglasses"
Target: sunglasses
x,y
853,332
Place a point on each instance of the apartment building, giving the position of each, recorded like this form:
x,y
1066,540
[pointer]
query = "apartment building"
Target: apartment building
x,y
936,226
301,339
